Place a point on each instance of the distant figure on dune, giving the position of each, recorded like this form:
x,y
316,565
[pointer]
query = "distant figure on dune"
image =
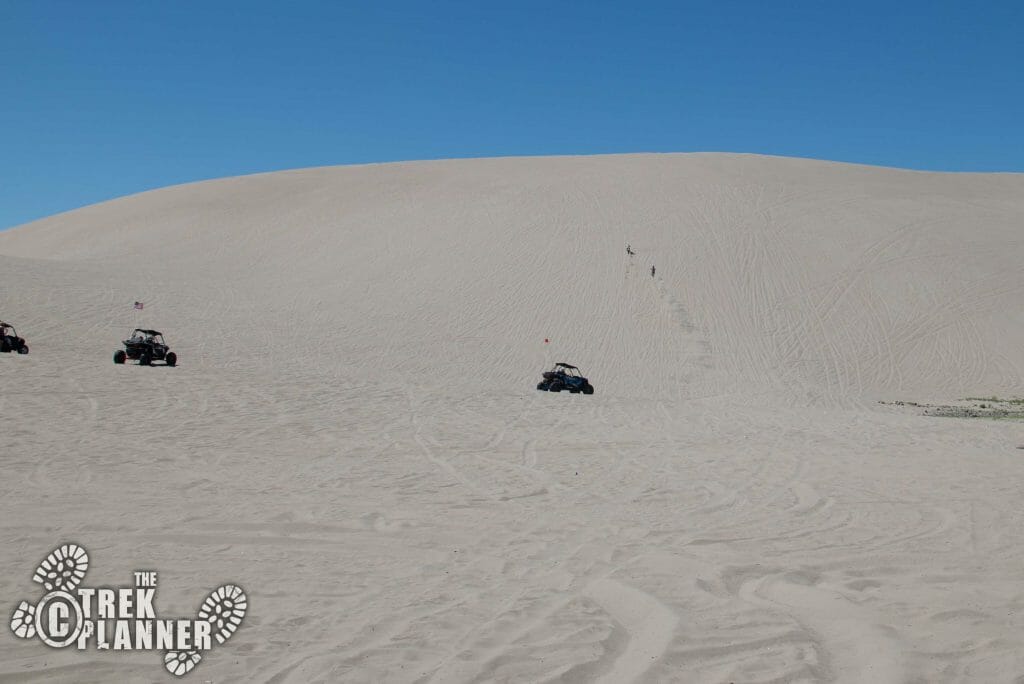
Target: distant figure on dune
x,y
629,251
652,271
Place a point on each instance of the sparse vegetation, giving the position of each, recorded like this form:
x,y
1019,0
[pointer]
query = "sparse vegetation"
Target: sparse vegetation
x,y
991,407
996,400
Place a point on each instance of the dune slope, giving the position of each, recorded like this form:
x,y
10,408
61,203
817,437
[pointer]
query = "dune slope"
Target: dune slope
x,y
353,433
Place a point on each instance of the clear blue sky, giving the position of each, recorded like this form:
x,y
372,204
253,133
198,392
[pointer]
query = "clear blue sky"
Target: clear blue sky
x,y
102,98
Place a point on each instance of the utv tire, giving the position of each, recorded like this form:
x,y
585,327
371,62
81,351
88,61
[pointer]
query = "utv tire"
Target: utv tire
x,y
24,349
171,359
556,387
588,389
4,346
145,360
119,356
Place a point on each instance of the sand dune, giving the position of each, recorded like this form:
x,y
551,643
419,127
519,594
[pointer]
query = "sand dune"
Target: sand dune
x,y
353,434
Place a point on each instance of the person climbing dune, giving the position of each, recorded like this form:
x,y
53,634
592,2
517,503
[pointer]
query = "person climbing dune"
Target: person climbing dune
x,y
652,271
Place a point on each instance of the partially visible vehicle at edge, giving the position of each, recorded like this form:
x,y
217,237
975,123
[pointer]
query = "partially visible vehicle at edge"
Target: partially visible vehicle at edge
x,y
9,340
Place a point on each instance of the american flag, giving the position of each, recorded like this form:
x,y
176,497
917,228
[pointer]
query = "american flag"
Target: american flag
x,y
138,305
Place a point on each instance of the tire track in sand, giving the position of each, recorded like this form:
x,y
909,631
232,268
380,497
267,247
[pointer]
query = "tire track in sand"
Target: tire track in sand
x,y
856,647
651,626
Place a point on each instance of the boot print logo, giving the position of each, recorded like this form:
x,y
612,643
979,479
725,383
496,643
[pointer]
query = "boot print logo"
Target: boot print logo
x,y
122,618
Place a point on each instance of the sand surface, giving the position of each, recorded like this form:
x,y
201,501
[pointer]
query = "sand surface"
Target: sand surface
x,y
353,433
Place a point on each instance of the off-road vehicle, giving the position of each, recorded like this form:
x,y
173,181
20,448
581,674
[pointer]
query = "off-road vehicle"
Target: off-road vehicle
x,y
146,346
9,340
565,377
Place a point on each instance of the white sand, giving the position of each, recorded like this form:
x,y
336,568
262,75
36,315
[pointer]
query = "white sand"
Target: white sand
x,y
353,433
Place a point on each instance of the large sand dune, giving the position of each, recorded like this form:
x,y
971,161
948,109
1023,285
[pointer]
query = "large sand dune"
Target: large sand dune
x,y
353,433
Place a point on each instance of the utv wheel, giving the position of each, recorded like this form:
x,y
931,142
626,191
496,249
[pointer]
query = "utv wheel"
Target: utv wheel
x,y
556,387
145,360
119,356
171,359
24,349
4,346
588,389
